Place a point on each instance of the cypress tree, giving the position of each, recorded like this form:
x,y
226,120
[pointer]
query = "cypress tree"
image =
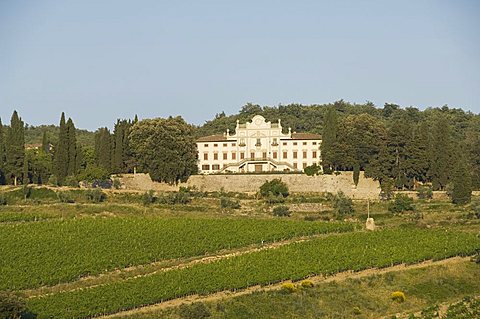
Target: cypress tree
x,y
356,173
15,148
2,155
118,152
61,152
103,149
329,138
45,143
462,182
440,150
72,148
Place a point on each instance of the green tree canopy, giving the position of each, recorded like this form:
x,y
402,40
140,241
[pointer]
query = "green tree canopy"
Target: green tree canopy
x,y
165,148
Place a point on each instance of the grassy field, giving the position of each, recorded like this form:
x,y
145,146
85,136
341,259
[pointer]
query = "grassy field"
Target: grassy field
x,y
73,256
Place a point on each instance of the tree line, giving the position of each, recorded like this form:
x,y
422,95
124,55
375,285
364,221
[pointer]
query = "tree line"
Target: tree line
x,y
400,147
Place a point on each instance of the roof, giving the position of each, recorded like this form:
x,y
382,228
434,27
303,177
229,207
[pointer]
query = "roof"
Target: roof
x,y
212,138
306,136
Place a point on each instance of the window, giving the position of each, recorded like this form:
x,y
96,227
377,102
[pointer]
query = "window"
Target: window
x,y
274,143
314,143
215,145
205,167
234,144
304,143
234,156
275,155
242,142
304,154
224,144
284,155
284,143
259,143
224,156
205,156
314,154
215,156
295,154
304,165
294,165
252,155
264,155
205,145
215,167
294,143
242,155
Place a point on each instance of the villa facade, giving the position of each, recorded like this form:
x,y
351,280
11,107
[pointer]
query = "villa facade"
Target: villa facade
x,y
258,146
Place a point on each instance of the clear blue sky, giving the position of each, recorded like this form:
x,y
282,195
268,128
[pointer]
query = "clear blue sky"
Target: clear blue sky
x,y
103,60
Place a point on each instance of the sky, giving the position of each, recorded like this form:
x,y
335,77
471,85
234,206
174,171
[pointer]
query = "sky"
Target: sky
x,y
102,60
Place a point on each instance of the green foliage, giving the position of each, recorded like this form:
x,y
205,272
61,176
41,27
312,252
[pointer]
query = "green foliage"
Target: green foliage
x,y
3,200
356,173
281,211
15,149
275,188
103,149
226,202
100,245
122,158
307,284
116,183
149,197
71,181
322,256
95,195
65,197
440,152
329,140
461,192
53,180
174,198
94,173
196,310
312,170
61,152
12,306
386,192
342,205
401,203
165,148
425,192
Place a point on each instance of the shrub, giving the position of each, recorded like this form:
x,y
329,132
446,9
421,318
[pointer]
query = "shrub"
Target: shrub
x,y
312,170
476,208
71,181
401,203
196,310
398,296
386,191
289,287
342,205
116,183
11,305
93,173
307,284
274,187
65,197
357,311
95,195
282,211
52,180
272,199
425,192
226,202
3,200
175,198
148,197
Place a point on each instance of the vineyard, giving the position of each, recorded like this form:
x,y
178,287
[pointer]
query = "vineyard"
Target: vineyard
x,y
42,253
321,256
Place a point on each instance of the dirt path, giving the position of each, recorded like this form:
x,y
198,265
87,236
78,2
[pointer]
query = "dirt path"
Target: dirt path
x,y
133,272
315,279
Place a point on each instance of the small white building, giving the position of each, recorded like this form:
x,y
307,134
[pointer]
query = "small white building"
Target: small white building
x,y
258,146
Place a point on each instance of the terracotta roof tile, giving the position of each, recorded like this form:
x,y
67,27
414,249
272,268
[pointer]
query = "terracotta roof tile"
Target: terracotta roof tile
x,y
212,138
306,136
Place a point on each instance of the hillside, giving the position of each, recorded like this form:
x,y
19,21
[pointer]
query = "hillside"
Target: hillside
x,y
34,135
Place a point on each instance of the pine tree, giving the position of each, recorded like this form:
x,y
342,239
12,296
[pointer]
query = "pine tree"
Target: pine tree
x,y
2,155
15,148
61,152
72,148
329,139
462,182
